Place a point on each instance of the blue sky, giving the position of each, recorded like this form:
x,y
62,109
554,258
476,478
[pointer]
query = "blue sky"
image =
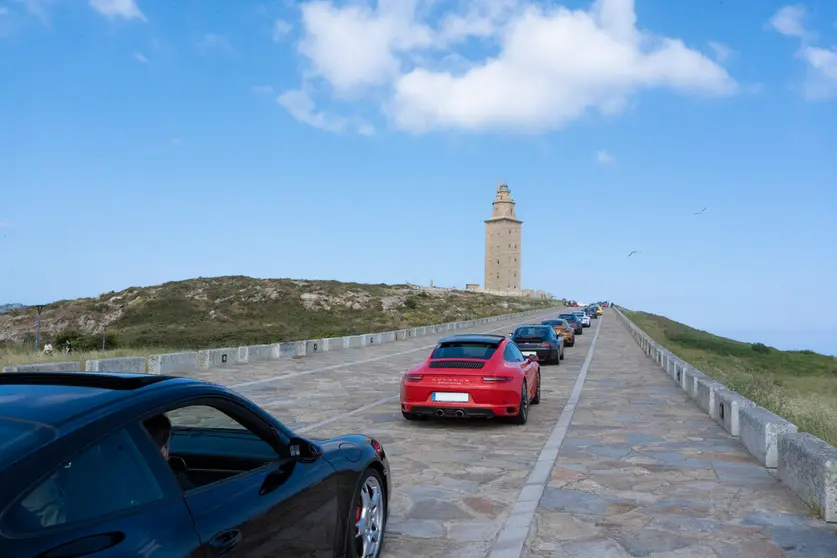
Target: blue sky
x,y
144,141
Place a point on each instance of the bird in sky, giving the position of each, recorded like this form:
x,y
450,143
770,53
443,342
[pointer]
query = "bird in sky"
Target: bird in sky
x,y
701,211
632,253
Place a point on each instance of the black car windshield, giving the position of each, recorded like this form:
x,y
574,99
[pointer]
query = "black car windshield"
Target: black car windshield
x,y
532,332
464,350
19,438
569,316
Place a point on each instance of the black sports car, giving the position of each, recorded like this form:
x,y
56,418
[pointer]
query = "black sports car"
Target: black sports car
x,y
129,465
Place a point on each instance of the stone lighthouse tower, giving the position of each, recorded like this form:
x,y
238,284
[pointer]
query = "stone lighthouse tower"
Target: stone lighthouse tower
x,y
502,244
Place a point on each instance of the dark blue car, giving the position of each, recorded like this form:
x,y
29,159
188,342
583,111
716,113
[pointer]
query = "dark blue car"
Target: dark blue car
x,y
109,466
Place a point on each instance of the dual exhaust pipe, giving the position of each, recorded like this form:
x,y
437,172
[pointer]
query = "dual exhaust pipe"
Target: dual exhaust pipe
x,y
459,413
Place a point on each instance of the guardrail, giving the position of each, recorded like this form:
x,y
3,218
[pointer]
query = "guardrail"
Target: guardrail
x,y
172,363
805,463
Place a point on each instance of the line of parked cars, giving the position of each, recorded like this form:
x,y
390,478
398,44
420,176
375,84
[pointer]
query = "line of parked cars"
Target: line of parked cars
x,y
490,376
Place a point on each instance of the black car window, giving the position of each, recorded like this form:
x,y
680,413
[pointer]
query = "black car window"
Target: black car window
x,y
513,354
534,332
482,351
108,477
202,416
208,445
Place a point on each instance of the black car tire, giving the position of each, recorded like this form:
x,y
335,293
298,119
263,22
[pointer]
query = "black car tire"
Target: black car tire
x,y
523,412
554,359
537,398
351,549
571,344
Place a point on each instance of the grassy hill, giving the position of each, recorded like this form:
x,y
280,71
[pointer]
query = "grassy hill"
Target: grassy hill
x,y
800,386
224,311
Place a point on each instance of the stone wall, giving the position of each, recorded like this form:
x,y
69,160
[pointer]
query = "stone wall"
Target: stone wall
x,y
806,464
173,363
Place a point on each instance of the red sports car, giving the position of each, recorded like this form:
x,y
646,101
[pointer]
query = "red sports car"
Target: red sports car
x,y
472,376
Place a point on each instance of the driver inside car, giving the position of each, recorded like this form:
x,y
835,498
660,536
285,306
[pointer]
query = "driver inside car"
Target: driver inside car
x,y
159,427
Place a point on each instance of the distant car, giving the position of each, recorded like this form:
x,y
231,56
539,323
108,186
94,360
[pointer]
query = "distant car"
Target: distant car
x,y
134,464
599,310
468,376
575,321
585,319
540,340
591,312
564,329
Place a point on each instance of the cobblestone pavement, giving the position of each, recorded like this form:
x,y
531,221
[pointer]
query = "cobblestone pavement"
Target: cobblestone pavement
x,y
644,472
455,480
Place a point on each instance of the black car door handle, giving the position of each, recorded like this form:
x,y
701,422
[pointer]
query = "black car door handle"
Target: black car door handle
x,y
226,541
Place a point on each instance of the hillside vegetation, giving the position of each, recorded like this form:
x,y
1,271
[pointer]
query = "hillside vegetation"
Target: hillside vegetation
x,y
800,386
232,311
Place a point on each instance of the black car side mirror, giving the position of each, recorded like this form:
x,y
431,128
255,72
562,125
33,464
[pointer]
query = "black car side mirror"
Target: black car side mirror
x,y
304,450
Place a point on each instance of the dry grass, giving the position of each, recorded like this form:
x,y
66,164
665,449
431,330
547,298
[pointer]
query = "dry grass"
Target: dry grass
x,y
18,356
800,386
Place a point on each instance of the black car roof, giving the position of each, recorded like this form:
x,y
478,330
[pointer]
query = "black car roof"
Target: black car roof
x,y
51,398
473,338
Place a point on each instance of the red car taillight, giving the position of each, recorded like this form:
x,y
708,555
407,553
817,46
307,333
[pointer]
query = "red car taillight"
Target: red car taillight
x,y
546,344
496,379
412,377
379,449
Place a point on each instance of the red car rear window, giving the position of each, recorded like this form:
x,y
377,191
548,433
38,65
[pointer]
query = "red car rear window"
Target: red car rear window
x,y
464,350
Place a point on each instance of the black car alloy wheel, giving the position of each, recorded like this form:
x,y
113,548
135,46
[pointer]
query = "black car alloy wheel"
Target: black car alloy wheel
x,y
367,519
523,413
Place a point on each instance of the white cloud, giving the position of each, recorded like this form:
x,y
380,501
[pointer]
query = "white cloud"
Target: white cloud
x,y
262,89
604,158
554,66
822,67
547,66
821,62
356,46
789,21
482,20
5,225
302,107
112,9
280,29
139,57
214,41
722,51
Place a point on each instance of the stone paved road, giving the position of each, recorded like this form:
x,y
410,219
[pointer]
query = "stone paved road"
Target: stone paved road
x,y
644,472
641,472
454,481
